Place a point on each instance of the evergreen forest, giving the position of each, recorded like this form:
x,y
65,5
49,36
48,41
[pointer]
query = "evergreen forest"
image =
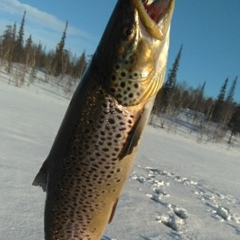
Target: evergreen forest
x,y
21,57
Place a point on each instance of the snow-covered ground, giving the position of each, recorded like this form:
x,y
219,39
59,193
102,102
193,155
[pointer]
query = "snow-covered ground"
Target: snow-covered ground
x,y
178,189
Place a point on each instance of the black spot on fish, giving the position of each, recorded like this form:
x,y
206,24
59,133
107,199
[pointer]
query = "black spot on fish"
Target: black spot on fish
x,y
118,135
130,121
119,96
136,85
105,149
111,120
123,74
123,84
97,154
130,95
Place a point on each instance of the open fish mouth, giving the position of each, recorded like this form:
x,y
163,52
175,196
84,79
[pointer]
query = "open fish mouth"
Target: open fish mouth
x,y
155,15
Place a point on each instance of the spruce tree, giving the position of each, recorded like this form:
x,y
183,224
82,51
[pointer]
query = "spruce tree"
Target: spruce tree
x,y
14,31
7,44
234,123
59,53
202,89
170,84
7,37
28,51
18,51
231,92
222,93
80,66
172,75
218,110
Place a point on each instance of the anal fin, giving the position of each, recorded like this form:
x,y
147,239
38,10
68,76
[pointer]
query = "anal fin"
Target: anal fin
x,y
113,211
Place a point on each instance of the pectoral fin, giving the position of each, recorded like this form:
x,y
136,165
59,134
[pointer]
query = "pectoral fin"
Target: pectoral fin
x,y
136,133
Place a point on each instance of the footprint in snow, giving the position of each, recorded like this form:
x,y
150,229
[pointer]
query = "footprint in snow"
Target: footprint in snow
x,y
221,213
171,221
215,201
210,197
158,199
159,195
174,220
161,192
180,212
205,193
224,213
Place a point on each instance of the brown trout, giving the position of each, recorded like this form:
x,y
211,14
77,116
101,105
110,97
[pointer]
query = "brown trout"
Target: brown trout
x,y
95,147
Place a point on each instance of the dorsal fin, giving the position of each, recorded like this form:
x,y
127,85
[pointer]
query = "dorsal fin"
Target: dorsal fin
x,y
42,176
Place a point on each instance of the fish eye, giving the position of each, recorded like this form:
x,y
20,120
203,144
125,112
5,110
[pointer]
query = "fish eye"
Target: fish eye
x,y
128,32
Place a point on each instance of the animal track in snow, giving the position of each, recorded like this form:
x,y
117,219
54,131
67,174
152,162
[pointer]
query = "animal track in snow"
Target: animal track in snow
x,y
171,221
175,217
215,202
180,212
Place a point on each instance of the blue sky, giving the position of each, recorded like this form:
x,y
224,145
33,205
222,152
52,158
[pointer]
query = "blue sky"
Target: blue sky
x,y
209,31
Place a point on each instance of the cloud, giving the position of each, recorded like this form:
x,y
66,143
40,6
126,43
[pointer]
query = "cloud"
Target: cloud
x,y
43,19
43,26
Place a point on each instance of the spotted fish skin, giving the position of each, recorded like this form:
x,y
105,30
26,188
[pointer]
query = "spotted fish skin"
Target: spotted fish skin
x,y
95,147
91,174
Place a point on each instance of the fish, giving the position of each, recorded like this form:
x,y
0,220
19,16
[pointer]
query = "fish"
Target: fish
x,y
97,142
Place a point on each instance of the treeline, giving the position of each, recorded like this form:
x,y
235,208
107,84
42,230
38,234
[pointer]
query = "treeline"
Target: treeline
x,y
20,57
176,96
59,62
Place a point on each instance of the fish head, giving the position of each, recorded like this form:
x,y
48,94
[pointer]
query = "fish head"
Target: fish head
x,y
134,48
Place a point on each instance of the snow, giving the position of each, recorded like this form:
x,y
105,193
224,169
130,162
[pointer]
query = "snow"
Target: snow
x,y
178,188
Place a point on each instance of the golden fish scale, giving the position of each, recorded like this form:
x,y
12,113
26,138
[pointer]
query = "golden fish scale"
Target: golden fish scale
x,y
92,173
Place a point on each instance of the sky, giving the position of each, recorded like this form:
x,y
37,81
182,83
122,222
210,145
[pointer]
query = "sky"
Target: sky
x,y
209,31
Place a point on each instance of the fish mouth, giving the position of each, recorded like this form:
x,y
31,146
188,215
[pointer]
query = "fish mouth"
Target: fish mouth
x,y
155,15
